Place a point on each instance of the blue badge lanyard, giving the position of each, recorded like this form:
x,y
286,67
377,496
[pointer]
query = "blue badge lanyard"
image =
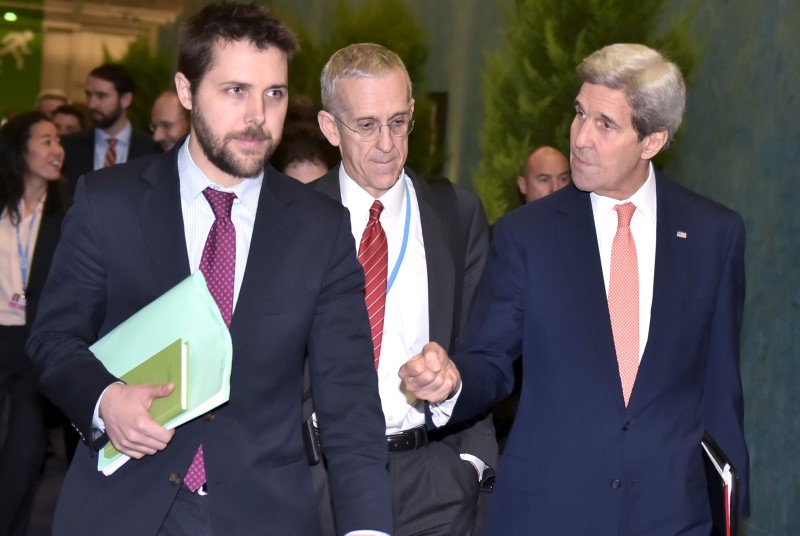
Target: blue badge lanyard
x,y
405,239
23,255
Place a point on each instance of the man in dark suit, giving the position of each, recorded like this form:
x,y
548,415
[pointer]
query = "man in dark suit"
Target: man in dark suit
x,y
137,230
113,140
622,374
431,266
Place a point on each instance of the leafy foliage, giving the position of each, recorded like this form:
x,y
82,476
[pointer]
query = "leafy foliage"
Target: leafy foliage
x,y
530,83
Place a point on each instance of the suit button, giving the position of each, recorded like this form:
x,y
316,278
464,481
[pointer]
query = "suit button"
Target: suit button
x,y
615,484
209,417
175,479
626,427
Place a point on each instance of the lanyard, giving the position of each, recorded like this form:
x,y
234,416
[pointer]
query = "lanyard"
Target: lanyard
x,y
23,255
405,238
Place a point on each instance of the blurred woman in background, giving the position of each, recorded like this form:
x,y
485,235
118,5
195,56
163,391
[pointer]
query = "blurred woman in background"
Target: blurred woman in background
x,y
33,199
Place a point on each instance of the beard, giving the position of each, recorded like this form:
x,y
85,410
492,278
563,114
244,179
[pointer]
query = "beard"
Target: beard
x,y
218,153
102,120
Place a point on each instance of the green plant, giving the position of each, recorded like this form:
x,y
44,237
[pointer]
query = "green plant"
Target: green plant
x,y
152,74
530,83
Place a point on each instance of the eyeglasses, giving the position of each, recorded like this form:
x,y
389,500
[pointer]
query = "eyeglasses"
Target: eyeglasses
x,y
162,124
369,129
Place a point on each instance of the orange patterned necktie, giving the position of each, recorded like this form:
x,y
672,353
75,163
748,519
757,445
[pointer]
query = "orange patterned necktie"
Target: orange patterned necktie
x,y
623,299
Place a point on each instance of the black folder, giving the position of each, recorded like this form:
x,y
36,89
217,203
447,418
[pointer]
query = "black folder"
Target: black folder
x,y
723,488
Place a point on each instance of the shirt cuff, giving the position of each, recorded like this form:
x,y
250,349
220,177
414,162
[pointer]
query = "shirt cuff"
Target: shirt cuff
x,y
441,412
366,533
97,422
480,466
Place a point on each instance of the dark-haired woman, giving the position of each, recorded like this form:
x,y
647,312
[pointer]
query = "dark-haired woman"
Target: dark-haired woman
x,y
33,200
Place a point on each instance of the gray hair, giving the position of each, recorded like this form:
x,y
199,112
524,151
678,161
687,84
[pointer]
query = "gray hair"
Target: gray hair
x,y
652,85
361,60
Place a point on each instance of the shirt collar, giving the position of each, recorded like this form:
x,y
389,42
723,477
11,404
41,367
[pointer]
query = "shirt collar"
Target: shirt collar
x,y
358,201
644,198
193,181
123,137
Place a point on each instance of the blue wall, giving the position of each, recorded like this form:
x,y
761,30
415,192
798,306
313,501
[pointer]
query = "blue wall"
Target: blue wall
x,y
741,146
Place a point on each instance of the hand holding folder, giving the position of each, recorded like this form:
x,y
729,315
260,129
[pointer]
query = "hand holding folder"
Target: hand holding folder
x,y
186,313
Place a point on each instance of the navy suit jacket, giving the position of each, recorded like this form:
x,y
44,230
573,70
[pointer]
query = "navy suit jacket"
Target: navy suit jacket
x,y
79,152
577,460
444,322
122,246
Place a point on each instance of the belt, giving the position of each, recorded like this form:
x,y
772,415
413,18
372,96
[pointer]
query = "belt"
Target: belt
x,y
412,439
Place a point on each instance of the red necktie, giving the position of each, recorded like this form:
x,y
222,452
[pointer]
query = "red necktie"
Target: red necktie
x,y
373,254
623,299
111,153
217,264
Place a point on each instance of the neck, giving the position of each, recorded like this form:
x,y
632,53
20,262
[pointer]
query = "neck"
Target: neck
x,y
35,190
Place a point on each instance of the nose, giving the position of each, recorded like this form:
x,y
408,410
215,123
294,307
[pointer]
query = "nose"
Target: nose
x,y
256,110
159,134
580,133
385,141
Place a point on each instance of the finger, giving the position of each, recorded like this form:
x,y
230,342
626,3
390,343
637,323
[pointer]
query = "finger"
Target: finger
x,y
160,390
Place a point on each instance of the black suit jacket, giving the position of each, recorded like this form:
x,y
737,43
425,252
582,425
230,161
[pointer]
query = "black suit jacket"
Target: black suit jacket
x,y
477,439
123,245
79,152
578,461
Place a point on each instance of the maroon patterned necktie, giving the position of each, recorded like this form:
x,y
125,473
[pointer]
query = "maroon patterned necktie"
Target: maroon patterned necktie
x,y
217,264
373,254
111,153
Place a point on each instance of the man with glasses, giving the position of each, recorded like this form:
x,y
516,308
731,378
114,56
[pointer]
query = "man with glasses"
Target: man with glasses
x,y
169,120
423,249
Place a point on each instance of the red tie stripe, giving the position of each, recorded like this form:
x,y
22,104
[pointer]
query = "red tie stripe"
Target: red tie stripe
x,y
373,254
111,153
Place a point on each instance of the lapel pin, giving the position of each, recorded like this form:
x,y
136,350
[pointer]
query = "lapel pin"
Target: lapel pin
x,y
681,234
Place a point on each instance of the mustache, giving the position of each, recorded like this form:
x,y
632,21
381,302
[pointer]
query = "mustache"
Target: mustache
x,y
249,134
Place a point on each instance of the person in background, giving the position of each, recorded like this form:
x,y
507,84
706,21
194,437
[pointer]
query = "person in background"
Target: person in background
x,y
429,241
282,268
304,153
113,140
624,295
169,120
546,170
50,99
33,200
68,119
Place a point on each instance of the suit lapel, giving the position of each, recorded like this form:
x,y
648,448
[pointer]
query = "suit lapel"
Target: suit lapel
x,y
161,219
666,308
578,242
329,184
440,265
273,232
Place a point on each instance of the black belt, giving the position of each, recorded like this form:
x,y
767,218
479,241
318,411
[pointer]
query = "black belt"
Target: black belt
x,y
407,439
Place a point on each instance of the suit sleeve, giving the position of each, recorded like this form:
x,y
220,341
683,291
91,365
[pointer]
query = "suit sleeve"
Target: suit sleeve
x,y
723,405
345,390
493,338
479,439
71,311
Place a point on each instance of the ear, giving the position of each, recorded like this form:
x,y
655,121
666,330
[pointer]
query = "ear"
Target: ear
x,y
412,106
125,100
184,90
522,185
654,143
328,126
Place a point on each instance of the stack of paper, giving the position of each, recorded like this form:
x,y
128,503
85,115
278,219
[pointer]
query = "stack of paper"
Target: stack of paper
x,y
186,316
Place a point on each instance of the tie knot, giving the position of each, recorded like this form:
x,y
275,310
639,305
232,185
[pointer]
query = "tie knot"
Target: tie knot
x,y
375,211
624,214
112,141
221,202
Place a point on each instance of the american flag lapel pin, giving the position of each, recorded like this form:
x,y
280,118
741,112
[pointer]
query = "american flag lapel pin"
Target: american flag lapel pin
x,y
681,234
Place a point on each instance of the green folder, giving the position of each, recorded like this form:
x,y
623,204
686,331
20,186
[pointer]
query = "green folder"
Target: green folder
x,y
187,312
169,365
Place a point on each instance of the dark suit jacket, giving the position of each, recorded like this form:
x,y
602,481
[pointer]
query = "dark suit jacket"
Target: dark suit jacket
x,y
577,461
123,245
479,439
79,152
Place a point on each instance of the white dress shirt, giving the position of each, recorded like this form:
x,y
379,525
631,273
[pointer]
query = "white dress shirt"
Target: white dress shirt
x,y
11,269
123,138
643,228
